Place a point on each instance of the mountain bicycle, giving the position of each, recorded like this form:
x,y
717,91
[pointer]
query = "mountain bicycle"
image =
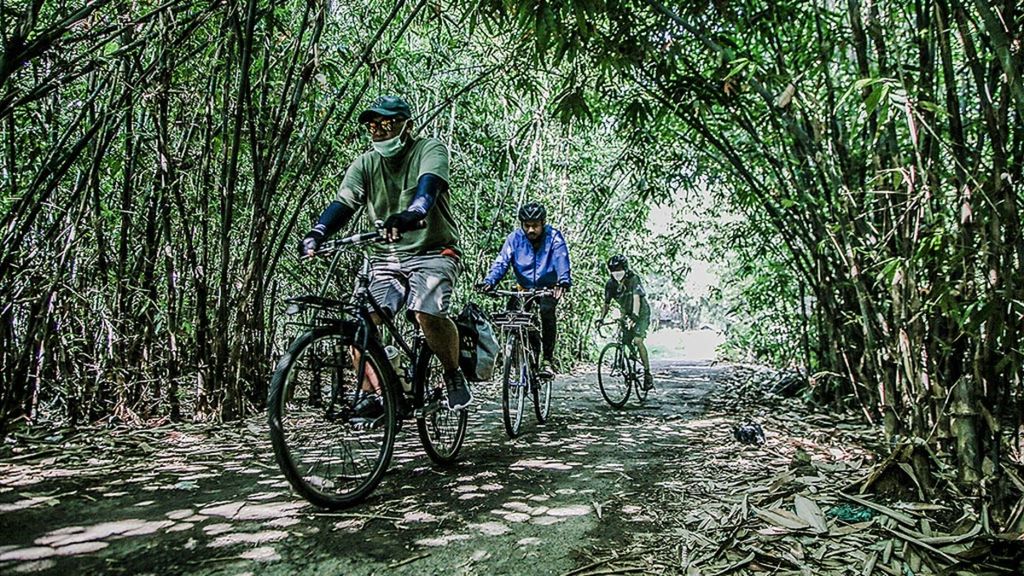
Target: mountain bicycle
x,y
337,401
619,368
520,378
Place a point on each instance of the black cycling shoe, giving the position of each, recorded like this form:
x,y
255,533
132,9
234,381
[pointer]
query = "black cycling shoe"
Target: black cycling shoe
x,y
459,394
369,406
546,369
648,381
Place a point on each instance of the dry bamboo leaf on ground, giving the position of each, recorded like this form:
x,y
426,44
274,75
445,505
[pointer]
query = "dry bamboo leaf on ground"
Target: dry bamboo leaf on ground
x,y
747,560
851,528
912,540
895,515
808,511
782,518
952,538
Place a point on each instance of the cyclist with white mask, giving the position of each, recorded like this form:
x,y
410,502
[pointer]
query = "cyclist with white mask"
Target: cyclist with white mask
x,y
626,288
403,181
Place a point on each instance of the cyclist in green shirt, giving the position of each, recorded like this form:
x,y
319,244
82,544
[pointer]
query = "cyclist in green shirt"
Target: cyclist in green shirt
x,y
628,291
404,182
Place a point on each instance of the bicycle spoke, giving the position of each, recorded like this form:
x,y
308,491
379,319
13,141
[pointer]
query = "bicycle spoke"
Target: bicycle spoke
x,y
330,455
611,375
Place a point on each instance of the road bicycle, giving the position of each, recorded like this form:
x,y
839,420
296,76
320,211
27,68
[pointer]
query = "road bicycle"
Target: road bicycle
x,y
520,377
619,368
337,401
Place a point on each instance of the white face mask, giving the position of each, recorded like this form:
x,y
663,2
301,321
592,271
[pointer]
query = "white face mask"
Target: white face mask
x,y
619,275
391,146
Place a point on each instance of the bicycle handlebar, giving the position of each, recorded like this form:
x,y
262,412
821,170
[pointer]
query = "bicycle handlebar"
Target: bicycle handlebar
x,y
620,321
524,294
359,239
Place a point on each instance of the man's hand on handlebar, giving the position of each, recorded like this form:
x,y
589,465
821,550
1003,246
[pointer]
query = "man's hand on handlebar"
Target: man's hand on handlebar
x,y
399,222
558,291
484,287
309,244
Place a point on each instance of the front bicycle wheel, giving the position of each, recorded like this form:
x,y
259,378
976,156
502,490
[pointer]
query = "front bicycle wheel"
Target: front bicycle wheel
x,y
612,376
332,441
442,431
513,389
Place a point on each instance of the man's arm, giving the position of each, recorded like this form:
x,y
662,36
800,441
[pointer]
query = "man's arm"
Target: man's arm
x,y
350,197
428,188
638,296
560,253
431,182
333,218
501,263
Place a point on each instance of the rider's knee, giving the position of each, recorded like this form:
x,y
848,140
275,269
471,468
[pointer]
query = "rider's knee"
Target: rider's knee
x,y
429,319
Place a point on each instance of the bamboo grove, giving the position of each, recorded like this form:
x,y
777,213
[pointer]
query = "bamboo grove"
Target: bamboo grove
x,y
160,160
876,150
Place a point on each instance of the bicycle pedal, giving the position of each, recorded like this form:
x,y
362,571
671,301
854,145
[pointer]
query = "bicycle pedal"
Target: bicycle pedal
x,y
427,410
363,424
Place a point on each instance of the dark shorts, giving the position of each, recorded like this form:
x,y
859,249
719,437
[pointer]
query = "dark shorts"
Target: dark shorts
x,y
640,330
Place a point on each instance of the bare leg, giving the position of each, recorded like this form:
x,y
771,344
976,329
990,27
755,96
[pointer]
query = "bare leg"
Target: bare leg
x,y
443,338
639,343
371,382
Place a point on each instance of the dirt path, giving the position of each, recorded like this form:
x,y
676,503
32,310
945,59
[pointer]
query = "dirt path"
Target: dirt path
x,y
191,500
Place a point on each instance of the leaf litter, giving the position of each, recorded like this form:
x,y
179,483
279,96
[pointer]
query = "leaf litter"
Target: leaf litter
x,y
801,504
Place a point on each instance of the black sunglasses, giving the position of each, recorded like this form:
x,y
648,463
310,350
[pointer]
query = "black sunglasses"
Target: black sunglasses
x,y
385,125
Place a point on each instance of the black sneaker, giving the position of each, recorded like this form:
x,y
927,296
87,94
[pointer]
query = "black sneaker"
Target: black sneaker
x,y
648,381
459,394
369,406
546,369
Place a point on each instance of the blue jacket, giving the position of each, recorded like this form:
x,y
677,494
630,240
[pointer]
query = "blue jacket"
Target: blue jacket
x,y
544,267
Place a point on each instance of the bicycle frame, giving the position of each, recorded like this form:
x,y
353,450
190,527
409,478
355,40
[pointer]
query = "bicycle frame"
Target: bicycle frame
x,y
626,355
363,307
520,321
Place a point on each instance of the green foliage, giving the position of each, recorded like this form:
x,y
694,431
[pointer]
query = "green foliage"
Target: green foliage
x,y
158,163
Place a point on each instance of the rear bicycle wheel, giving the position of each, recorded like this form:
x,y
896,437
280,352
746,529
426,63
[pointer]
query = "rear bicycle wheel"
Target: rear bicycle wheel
x,y
638,383
612,376
442,431
636,374
542,398
331,444
513,388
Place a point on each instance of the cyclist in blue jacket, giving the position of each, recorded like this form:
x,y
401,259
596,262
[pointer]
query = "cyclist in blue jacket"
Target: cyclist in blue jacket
x,y
539,258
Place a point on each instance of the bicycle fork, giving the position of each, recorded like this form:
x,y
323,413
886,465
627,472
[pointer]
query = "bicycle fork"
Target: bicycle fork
x,y
518,342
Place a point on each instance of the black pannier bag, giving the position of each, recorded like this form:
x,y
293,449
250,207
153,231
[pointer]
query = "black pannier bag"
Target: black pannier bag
x,y
478,345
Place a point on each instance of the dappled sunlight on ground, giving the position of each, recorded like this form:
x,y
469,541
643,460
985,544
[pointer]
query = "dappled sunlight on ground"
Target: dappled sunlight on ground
x,y
213,501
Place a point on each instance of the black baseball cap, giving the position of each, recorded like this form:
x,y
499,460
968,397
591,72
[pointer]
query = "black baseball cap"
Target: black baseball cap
x,y
388,107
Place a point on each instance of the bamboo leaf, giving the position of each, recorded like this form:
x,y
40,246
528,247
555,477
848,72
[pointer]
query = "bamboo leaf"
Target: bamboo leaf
x,y
809,512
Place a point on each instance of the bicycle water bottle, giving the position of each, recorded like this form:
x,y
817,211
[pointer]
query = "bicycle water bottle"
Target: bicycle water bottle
x,y
395,357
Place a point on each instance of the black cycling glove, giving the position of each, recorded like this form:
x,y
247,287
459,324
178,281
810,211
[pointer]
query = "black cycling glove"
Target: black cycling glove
x,y
311,242
403,221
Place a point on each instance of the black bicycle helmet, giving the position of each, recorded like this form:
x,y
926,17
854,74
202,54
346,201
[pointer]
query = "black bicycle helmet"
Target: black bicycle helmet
x,y
532,211
618,262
